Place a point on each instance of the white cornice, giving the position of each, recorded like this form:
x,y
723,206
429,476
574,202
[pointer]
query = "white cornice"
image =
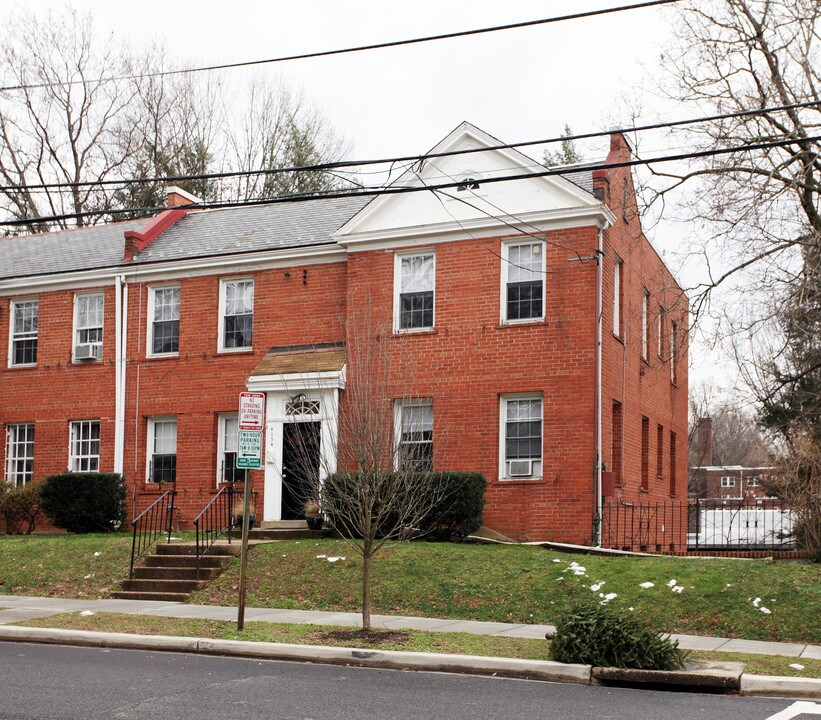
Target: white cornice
x,y
173,269
598,216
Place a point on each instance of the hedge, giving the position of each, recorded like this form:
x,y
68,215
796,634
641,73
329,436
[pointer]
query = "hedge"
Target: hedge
x,y
83,502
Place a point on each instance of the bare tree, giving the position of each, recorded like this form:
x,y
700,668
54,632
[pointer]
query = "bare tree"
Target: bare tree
x,y
72,123
381,491
73,129
278,128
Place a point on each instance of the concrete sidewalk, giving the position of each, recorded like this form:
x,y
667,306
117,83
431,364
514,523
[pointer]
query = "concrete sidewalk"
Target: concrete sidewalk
x,y
15,608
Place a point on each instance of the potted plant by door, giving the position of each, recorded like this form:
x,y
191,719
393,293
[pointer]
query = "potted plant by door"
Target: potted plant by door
x,y
313,515
239,516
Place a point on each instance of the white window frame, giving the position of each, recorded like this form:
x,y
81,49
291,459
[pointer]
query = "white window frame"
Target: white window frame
x,y
753,481
399,407
397,288
673,341
660,333
503,402
618,279
506,245
222,420
645,324
75,460
12,477
22,336
221,320
77,328
150,441
727,481
149,335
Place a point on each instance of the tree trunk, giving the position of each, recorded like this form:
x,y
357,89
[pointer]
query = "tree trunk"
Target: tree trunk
x,y
366,590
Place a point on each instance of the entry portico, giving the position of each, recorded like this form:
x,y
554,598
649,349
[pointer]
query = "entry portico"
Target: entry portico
x,y
302,385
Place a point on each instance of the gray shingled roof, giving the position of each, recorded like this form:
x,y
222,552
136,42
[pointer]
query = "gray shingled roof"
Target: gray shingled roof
x,y
207,233
582,178
260,227
65,250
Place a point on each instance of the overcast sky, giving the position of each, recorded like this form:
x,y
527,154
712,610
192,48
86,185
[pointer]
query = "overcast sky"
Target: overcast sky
x,y
517,85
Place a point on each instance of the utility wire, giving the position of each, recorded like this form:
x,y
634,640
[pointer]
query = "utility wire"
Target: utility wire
x,y
400,189
340,164
344,51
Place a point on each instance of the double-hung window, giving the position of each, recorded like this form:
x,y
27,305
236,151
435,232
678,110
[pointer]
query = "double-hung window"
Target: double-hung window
x,y
84,446
414,288
162,449
164,320
414,430
523,275
236,329
227,448
19,454
88,327
521,437
24,323
727,482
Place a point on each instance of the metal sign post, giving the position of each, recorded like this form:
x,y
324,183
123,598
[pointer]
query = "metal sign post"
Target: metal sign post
x,y
249,456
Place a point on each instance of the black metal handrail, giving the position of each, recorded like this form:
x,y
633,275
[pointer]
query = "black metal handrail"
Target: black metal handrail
x,y
152,522
214,521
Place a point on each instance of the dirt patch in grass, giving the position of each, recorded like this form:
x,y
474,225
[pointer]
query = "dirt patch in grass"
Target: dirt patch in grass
x,y
372,637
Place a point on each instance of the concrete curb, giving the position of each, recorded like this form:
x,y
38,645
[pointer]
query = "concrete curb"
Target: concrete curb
x,y
545,670
708,674
393,659
784,686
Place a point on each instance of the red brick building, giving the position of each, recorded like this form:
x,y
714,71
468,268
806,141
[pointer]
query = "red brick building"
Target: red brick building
x,y
546,334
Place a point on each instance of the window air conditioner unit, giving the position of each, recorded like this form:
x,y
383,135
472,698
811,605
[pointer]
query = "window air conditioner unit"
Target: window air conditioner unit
x,y
88,352
521,468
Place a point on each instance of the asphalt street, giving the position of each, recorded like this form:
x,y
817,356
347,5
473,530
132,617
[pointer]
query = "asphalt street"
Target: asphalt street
x,y
46,681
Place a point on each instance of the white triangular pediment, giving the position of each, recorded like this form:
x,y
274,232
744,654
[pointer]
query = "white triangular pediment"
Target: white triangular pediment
x,y
492,207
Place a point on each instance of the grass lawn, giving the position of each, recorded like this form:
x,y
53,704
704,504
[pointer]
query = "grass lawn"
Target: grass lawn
x,y
478,582
413,640
523,584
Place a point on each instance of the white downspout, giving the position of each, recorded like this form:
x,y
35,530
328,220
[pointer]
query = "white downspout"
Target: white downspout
x,y
118,357
121,310
598,420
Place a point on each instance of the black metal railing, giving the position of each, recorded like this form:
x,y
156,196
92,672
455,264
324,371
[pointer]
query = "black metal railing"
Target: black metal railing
x,y
150,524
214,521
716,525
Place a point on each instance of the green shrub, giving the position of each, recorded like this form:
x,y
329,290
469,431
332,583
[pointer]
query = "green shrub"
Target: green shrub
x,y
20,507
84,502
599,635
454,508
459,512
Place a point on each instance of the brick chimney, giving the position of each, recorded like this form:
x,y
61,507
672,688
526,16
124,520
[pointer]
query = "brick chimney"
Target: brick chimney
x,y
704,441
620,151
177,197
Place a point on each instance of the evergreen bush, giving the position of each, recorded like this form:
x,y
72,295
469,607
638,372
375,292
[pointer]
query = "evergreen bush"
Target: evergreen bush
x,y
600,635
84,502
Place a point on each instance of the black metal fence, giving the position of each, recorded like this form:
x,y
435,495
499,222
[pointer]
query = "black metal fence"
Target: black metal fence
x,y
715,525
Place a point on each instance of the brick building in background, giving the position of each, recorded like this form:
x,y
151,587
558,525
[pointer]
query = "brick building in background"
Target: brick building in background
x,y
724,482
531,362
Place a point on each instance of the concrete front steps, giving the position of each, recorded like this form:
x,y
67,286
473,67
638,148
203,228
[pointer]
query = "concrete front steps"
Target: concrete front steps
x,y
170,573
283,530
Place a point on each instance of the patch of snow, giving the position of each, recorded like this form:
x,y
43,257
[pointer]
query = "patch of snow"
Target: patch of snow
x,y
757,602
671,583
319,557
597,586
766,611
88,612
796,666
97,554
646,585
678,589
88,577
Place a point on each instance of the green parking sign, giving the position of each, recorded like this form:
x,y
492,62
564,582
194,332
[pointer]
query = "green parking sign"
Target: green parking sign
x,y
249,449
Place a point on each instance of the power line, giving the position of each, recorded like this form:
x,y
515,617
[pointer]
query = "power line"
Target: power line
x,y
399,189
341,164
349,50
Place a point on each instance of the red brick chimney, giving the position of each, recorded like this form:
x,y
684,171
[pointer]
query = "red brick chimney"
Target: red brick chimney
x,y
704,441
177,197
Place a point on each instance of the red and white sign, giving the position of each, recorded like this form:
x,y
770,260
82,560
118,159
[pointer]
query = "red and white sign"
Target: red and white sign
x,y
251,411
